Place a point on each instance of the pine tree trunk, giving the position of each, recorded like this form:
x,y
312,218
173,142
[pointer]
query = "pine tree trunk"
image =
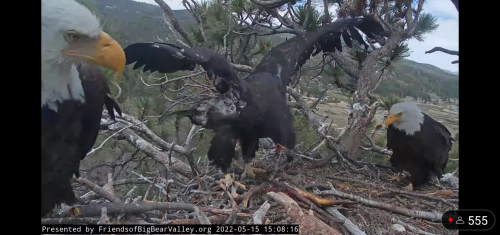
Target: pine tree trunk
x,y
360,116
362,113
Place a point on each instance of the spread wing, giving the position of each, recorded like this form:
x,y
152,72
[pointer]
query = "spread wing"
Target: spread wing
x,y
286,58
161,57
169,58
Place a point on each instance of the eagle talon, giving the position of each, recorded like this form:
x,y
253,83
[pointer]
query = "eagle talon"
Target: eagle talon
x,y
226,176
398,178
250,171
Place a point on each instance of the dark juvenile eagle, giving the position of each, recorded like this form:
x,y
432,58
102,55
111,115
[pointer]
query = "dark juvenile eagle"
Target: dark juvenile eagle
x,y
169,58
74,91
419,143
265,113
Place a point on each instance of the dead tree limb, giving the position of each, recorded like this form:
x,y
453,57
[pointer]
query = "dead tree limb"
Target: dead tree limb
x,y
100,191
351,227
165,7
449,52
154,152
201,216
411,228
260,213
94,210
433,216
309,224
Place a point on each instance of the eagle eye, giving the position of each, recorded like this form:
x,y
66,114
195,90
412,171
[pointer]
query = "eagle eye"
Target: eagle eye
x,y
71,36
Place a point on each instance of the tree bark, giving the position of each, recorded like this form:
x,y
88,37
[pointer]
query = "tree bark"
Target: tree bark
x,y
362,113
360,118
165,7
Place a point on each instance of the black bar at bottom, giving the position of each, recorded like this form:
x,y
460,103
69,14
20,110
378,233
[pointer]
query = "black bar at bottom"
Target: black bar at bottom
x,y
172,229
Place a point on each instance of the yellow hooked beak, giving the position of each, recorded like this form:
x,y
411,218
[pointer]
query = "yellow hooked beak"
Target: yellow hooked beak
x,y
392,118
103,51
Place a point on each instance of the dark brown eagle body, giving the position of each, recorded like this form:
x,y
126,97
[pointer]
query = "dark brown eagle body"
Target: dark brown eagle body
x,y
260,118
423,152
266,113
69,134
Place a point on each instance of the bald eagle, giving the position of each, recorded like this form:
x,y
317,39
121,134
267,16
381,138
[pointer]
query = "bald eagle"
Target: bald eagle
x,y
74,91
264,112
419,143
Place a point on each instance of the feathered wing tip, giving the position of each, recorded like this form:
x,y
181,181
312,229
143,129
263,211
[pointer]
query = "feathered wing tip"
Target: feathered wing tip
x,y
111,105
161,57
134,51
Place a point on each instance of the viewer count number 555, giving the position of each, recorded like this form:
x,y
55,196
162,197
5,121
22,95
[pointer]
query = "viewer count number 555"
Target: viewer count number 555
x,y
478,220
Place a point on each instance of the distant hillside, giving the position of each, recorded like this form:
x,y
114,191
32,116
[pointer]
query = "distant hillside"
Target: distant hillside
x,y
423,77
138,21
448,71
132,22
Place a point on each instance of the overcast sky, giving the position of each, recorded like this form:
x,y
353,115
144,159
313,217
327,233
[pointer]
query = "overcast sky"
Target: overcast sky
x,y
445,36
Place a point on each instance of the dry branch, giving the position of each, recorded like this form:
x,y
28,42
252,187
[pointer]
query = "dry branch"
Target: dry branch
x,y
411,228
433,216
201,216
141,127
449,52
165,7
139,208
352,228
148,148
425,196
307,112
98,190
104,219
260,213
251,192
308,223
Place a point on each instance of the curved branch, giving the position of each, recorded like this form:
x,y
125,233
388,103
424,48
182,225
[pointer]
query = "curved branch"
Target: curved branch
x,y
165,7
449,52
119,91
269,4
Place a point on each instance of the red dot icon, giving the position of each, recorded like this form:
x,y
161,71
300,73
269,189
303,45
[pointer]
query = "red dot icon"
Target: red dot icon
x,y
450,219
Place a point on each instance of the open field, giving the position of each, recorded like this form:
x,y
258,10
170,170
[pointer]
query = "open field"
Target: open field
x,y
340,111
